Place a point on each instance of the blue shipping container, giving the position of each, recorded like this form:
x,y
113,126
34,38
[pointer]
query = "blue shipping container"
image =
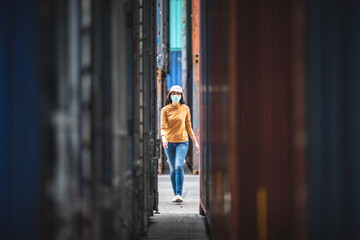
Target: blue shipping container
x,y
175,69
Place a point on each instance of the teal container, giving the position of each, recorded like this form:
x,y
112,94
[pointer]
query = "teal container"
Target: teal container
x,y
176,25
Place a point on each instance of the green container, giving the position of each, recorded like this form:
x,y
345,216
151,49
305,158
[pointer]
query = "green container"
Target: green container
x,y
176,25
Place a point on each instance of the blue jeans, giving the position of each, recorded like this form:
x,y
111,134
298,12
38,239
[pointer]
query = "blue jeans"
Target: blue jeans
x,y
176,153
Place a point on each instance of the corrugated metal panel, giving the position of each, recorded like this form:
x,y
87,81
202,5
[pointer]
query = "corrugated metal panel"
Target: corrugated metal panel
x,y
19,125
176,25
219,115
256,115
158,109
159,33
205,130
334,117
166,35
5,121
175,69
176,28
195,35
163,62
184,65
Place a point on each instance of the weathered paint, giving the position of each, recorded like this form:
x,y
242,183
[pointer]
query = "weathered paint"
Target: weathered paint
x,y
253,102
159,63
195,38
159,88
159,33
219,115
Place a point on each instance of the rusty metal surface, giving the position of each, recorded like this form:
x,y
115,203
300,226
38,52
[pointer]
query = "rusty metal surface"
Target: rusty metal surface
x,y
158,109
298,124
205,180
184,46
195,43
257,121
219,124
163,62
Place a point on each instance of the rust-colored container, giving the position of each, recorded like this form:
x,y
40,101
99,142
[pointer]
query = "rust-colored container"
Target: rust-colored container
x,y
255,97
195,43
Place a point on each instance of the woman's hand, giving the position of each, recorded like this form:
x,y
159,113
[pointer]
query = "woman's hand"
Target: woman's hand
x,y
165,142
197,147
196,142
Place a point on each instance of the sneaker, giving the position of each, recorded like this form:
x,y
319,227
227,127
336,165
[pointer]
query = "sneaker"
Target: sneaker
x,y
174,199
179,198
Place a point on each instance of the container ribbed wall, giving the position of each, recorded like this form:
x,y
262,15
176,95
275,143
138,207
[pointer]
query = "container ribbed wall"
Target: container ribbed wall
x,y
333,62
257,119
176,25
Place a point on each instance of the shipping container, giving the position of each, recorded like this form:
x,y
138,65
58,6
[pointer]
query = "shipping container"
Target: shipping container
x,y
21,125
163,63
280,107
176,24
191,76
333,109
253,119
274,92
174,78
79,153
176,44
205,180
196,79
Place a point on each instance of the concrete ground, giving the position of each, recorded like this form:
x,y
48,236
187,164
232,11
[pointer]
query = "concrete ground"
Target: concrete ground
x,y
178,220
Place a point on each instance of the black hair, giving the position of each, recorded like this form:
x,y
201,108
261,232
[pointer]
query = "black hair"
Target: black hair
x,y
168,100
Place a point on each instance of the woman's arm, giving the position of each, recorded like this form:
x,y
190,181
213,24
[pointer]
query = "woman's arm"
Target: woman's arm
x,y
162,129
165,142
190,131
193,137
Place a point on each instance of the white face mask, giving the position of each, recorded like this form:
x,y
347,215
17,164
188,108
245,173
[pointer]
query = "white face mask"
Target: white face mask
x,y
175,98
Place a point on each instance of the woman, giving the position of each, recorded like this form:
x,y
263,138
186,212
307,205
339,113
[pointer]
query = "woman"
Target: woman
x,y
175,128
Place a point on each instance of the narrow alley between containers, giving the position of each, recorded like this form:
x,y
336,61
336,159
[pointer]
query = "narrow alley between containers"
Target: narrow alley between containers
x,y
178,220
179,119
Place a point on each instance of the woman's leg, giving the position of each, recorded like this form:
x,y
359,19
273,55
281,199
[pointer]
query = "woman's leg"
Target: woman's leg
x,y
170,153
181,151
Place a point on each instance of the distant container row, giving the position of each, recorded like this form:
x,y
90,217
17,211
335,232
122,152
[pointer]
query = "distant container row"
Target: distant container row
x,y
178,63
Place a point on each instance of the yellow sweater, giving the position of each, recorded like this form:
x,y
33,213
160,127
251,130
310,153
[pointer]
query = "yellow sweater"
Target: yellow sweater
x,y
176,123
